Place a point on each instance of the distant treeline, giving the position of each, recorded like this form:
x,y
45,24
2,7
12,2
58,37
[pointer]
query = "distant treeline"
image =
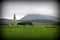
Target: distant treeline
x,y
25,23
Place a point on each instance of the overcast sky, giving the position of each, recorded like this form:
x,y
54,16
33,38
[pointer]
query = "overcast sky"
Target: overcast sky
x,y
22,8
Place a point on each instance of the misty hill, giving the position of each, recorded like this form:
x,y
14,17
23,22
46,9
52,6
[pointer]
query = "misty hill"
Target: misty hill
x,y
39,18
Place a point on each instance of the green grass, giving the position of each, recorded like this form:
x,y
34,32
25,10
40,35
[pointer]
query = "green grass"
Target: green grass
x,y
24,32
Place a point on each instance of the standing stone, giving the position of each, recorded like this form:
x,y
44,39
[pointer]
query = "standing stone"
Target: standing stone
x,y
15,22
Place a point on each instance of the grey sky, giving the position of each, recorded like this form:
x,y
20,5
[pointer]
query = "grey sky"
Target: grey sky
x,y
22,8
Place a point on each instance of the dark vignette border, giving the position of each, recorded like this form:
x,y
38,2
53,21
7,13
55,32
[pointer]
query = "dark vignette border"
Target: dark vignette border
x,y
58,24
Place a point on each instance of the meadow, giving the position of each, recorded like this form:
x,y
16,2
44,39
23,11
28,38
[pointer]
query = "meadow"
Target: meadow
x,y
29,32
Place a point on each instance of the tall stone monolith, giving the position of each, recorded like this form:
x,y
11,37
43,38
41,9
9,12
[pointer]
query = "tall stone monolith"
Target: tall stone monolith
x,y
15,22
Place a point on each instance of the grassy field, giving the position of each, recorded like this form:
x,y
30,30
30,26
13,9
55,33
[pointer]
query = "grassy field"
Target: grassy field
x,y
48,32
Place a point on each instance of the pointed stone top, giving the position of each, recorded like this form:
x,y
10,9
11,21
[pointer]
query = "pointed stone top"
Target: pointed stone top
x,y
14,16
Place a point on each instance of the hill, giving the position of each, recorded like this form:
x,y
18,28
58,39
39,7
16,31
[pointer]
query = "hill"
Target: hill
x,y
37,18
